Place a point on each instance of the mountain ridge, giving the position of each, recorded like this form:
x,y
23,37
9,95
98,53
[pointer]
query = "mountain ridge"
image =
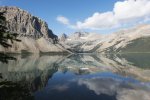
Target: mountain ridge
x,y
33,32
37,37
117,42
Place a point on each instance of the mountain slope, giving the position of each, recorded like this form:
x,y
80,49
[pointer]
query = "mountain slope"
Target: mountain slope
x,y
137,45
129,40
34,33
135,39
81,42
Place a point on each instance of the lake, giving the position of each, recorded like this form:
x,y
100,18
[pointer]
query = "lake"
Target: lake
x,y
76,77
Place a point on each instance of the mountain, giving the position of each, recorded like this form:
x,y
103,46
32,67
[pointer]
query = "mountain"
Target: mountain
x,y
81,41
36,37
63,37
33,32
129,40
135,39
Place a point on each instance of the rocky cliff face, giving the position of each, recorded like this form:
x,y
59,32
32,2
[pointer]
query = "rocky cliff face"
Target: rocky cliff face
x,y
34,33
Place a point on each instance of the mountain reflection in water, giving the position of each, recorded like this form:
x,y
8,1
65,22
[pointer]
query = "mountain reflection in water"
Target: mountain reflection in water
x,y
78,77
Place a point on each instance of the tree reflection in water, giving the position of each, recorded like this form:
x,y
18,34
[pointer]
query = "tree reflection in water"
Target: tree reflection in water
x,y
14,91
4,58
11,90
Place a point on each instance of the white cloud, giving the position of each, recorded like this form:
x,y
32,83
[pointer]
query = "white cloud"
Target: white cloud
x,y
63,20
130,10
125,12
98,20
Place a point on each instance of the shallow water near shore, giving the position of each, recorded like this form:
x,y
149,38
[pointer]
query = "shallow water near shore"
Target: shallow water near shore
x,y
76,77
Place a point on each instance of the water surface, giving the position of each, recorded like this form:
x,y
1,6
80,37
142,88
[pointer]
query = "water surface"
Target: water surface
x,y
76,77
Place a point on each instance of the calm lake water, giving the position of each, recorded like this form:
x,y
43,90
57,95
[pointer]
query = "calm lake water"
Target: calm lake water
x,y
76,77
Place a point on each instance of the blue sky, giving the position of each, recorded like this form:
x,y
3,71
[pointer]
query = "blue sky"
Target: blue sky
x,y
77,12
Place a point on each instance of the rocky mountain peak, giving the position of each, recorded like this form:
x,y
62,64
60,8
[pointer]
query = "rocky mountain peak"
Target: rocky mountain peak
x,y
63,37
26,25
33,32
80,34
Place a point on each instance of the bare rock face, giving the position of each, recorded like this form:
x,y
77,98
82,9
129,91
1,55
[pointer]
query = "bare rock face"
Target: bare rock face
x,y
33,32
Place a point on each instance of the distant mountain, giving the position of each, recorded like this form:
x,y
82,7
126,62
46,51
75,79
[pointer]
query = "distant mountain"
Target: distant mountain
x,y
83,36
34,33
63,37
76,42
135,39
130,40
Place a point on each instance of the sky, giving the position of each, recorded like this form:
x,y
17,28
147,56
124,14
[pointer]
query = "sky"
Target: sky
x,y
99,16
